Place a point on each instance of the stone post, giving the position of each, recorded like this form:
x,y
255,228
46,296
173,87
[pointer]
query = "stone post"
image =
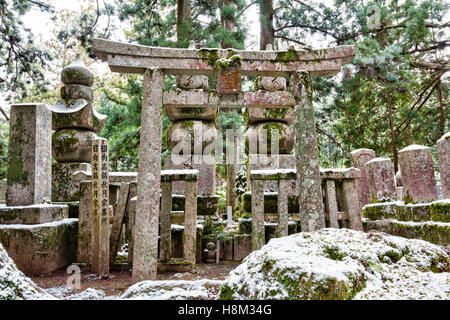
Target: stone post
x,y
331,202
307,155
29,155
416,166
283,190
100,207
359,158
145,252
350,195
443,149
165,228
190,222
258,237
380,175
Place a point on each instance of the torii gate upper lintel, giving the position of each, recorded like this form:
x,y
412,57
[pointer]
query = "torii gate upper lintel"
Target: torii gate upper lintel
x,y
155,62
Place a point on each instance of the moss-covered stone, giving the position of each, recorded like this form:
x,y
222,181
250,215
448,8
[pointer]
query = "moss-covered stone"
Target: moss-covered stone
x,y
440,211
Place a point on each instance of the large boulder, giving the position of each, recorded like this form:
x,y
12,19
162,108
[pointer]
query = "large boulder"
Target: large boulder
x,y
341,264
14,285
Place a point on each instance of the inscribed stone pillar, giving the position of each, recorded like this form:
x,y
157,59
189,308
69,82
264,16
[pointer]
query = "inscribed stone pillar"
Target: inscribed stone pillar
x,y
258,238
416,165
100,207
29,155
443,149
307,155
380,175
145,252
359,158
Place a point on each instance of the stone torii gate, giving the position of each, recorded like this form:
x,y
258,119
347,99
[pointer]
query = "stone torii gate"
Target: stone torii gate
x,y
154,62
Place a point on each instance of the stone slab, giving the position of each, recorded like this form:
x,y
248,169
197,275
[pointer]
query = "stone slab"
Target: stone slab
x,y
33,214
41,248
443,149
242,246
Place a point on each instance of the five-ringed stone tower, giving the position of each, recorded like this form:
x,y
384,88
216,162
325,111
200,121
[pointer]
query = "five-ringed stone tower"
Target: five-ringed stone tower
x,y
76,123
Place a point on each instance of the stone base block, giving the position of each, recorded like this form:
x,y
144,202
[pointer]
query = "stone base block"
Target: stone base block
x,y
41,248
64,188
34,214
242,246
73,207
434,232
436,211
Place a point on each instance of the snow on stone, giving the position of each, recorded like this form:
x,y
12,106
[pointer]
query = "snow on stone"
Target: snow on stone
x,y
14,285
173,290
41,225
341,264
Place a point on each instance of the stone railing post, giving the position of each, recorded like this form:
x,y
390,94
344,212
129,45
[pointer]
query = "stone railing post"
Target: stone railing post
x,y
443,148
331,203
258,237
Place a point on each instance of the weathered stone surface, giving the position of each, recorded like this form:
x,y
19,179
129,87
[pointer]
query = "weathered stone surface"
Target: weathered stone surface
x,y
416,165
380,175
260,137
77,91
192,82
276,174
183,137
206,166
210,99
177,113
255,115
341,264
64,187
77,114
307,155
340,174
3,190
190,222
351,204
77,73
40,248
226,249
359,158
331,203
242,246
283,190
437,211
72,145
257,215
119,219
270,83
33,214
145,255
29,155
165,222
85,223
443,149
398,179
434,232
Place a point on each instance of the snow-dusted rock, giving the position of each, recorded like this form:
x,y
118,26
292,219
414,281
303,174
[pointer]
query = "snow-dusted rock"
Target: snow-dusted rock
x,y
174,290
14,285
341,264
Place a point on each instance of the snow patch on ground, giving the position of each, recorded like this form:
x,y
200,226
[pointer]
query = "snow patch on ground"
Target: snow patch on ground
x,y
341,264
174,290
